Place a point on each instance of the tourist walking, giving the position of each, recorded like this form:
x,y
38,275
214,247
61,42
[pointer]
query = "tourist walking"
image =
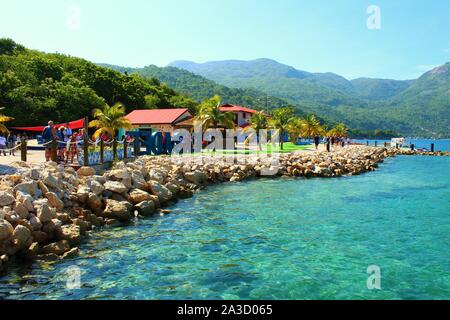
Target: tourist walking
x,y
2,144
48,135
316,141
61,144
11,143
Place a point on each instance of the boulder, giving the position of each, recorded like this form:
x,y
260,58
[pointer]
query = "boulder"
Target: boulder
x,y
164,194
96,187
70,233
6,199
54,201
21,210
173,188
31,252
39,236
197,177
115,186
6,230
83,193
50,180
45,214
29,187
137,196
26,200
146,208
35,223
72,253
22,237
57,248
120,210
86,172
94,201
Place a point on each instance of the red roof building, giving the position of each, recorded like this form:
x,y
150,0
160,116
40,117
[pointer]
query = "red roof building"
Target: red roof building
x,y
242,114
164,120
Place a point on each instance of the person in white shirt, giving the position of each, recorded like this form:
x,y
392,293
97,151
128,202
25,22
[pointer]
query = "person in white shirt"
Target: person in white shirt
x,y
67,132
3,144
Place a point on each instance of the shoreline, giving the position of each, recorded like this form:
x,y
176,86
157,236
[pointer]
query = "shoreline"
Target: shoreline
x,y
46,210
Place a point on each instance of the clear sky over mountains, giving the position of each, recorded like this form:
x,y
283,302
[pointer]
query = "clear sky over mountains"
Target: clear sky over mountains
x,y
406,38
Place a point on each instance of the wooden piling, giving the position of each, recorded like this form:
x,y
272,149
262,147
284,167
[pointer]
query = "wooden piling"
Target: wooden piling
x,y
432,147
53,151
85,152
23,151
114,149
125,147
102,151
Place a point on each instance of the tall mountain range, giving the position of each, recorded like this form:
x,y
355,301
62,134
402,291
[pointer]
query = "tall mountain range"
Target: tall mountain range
x,y
412,107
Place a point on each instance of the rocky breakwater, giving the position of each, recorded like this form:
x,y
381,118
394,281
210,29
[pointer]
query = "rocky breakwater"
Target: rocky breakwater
x,y
46,210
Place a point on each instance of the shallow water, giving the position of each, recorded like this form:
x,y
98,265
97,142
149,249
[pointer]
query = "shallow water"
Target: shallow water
x,y
273,239
439,145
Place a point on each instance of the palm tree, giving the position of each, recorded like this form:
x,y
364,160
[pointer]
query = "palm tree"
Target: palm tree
x,y
310,127
4,119
295,128
211,116
109,119
257,122
339,130
281,120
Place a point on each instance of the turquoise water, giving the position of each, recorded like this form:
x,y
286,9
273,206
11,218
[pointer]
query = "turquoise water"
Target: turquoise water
x,y
273,239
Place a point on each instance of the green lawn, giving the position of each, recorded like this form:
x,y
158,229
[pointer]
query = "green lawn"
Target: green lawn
x,y
288,147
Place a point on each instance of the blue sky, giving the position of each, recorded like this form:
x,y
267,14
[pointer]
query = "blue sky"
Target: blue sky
x,y
316,36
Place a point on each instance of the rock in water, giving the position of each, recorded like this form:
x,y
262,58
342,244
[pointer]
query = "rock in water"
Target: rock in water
x,y
162,192
146,208
120,210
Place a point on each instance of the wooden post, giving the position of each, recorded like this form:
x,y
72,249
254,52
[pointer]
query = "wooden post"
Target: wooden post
x,y
328,145
86,151
23,150
102,151
125,147
432,147
385,144
412,146
54,146
367,143
376,143
136,147
114,149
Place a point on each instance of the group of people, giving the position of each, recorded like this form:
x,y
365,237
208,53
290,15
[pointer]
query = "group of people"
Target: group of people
x,y
332,141
9,142
68,141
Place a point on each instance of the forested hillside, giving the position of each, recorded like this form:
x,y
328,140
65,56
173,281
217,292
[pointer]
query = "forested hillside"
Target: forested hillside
x,y
36,87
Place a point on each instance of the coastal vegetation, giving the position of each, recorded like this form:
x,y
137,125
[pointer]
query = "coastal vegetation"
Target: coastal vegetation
x,y
109,120
3,119
211,117
413,107
281,120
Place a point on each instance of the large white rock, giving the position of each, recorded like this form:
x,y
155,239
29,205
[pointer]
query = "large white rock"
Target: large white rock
x,y
54,201
26,200
45,214
6,199
138,195
29,187
161,191
6,230
86,172
96,187
21,210
115,186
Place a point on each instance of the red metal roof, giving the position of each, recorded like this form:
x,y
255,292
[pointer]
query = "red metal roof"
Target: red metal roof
x,y
156,116
233,108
